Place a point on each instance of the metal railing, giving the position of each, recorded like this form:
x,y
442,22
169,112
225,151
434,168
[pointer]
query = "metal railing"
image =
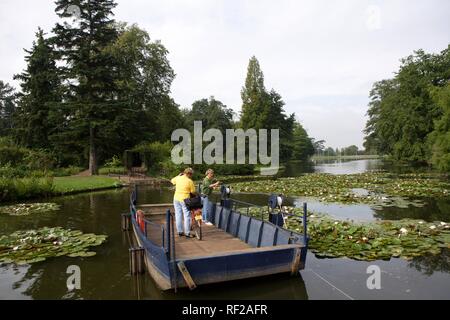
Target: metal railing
x,y
266,210
235,204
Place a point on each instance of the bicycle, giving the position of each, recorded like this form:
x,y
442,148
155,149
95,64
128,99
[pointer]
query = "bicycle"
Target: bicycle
x,y
196,222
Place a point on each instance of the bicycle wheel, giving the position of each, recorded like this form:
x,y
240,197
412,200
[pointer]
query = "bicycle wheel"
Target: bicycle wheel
x,y
198,230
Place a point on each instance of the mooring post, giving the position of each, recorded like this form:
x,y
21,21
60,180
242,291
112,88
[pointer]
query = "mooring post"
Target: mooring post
x,y
167,233
126,221
137,262
135,194
305,214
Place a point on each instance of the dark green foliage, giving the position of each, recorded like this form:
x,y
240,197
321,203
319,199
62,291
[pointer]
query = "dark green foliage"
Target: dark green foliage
x,y
11,155
23,158
143,85
89,97
302,146
439,139
402,112
212,113
7,108
95,88
350,151
25,188
265,110
40,90
154,154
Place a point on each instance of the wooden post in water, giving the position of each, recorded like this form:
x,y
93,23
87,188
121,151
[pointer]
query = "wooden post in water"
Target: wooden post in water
x,y
126,221
305,214
137,264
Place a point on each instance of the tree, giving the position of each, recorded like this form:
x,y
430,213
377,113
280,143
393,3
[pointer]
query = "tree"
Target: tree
x,y
319,146
254,97
351,151
329,152
90,94
302,146
40,91
169,119
142,81
402,111
212,113
439,139
265,110
7,108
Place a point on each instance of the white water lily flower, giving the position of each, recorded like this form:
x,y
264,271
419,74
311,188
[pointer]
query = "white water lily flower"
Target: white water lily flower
x,y
350,237
443,224
403,230
420,222
364,239
432,227
336,223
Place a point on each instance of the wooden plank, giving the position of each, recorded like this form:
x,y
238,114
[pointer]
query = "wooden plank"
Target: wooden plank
x,y
186,275
215,242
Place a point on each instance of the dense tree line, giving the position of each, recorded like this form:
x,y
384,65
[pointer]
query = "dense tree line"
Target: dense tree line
x,y
409,114
96,87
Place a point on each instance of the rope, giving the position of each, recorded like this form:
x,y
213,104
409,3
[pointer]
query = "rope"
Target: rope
x,y
330,284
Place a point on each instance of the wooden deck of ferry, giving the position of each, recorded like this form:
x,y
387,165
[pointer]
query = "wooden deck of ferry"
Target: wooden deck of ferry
x,y
235,247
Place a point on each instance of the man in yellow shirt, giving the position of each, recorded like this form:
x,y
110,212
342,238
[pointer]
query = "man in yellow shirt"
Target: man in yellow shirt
x,y
184,186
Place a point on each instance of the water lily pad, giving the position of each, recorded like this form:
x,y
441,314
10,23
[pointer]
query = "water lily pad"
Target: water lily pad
x,y
373,188
25,209
378,240
25,247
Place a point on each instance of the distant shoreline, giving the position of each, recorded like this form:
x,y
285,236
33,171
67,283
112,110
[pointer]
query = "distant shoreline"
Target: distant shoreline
x,y
357,157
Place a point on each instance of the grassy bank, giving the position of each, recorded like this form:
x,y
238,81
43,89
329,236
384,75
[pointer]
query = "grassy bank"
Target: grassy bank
x,y
16,189
65,185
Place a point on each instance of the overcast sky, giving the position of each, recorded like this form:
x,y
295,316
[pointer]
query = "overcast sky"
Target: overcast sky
x,y
321,56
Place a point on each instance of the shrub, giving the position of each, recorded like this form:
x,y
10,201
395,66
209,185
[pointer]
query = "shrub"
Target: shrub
x,y
12,154
25,188
112,170
169,169
64,172
114,162
154,154
39,160
112,166
8,171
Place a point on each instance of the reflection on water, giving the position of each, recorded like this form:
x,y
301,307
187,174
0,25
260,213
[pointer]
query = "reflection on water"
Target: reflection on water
x,y
297,168
340,166
430,264
105,276
348,167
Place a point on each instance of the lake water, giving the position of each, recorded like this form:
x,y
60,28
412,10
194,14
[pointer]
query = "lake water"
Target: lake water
x,y
106,276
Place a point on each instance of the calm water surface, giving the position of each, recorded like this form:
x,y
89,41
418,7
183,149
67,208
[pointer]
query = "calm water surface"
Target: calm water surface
x,y
105,276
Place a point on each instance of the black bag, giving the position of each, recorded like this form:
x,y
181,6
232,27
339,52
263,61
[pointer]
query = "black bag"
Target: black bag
x,y
194,202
